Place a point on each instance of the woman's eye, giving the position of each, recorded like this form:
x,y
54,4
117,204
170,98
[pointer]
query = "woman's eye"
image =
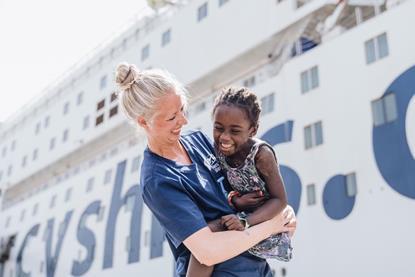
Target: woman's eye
x,y
235,132
220,129
171,119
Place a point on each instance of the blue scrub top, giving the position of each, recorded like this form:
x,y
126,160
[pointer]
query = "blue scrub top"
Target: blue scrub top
x,y
184,197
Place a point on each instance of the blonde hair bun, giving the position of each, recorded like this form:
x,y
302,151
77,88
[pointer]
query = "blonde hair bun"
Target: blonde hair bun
x,y
126,75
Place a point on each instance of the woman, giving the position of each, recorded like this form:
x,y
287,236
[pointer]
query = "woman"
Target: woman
x,y
182,183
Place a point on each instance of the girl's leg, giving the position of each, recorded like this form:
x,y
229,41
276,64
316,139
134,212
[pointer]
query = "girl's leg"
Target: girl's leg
x,y
197,269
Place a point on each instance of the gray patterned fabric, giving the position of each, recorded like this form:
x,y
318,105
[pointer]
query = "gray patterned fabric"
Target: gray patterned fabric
x,y
244,179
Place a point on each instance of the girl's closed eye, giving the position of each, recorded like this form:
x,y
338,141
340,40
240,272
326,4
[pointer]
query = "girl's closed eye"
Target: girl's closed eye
x,y
218,128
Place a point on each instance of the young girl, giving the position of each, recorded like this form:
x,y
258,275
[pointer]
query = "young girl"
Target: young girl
x,y
250,165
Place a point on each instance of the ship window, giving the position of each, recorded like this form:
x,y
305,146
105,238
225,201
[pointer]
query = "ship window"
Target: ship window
x,y
4,151
107,177
376,48
199,108
80,98
52,201
145,52
383,45
250,82
311,194
166,37
35,209
1,175
384,110
13,145
103,82
24,160
114,151
103,157
307,137
202,11
37,129
370,51
318,131
42,265
313,135
267,103
52,143
135,164
113,97
22,215
46,122
68,194
100,104
124,43
222,2
390,107
65,135
90,184
113,111
66,108
35,154
9,170
351,185
99,120
137,34
309,79
86,122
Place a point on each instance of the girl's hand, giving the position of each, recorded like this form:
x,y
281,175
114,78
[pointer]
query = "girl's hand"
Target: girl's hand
x,y
249,201
232,222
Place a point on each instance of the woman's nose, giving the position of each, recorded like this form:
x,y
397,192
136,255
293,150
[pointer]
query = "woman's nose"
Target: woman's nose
x,y
183,118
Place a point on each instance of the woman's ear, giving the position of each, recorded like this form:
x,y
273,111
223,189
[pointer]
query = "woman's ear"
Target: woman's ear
x,y
142,122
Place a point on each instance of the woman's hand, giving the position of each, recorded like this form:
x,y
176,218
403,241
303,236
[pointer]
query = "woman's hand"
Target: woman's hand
x,y
249,201
285,221
292,224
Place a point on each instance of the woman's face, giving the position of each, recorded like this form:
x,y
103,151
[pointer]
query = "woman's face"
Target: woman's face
x,y
165,125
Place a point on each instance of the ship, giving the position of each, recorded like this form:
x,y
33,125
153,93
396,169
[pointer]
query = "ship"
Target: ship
x,y
336,80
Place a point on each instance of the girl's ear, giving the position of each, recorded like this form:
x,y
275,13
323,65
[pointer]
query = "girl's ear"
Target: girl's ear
x,y
253,131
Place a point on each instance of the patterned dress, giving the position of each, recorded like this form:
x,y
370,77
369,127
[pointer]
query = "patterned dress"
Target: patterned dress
x,y
244,179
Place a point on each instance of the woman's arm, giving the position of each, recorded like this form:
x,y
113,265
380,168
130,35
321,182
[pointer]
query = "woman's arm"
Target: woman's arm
x,y
267,167
211,248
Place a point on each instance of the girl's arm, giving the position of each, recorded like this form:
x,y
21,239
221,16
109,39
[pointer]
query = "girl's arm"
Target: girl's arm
x,y
267,166
211,248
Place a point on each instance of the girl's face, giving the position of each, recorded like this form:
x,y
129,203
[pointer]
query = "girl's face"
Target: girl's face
x,y
164,127
232,129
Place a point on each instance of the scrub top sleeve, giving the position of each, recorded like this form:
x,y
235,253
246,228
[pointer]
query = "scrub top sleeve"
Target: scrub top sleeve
x,y
174,209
